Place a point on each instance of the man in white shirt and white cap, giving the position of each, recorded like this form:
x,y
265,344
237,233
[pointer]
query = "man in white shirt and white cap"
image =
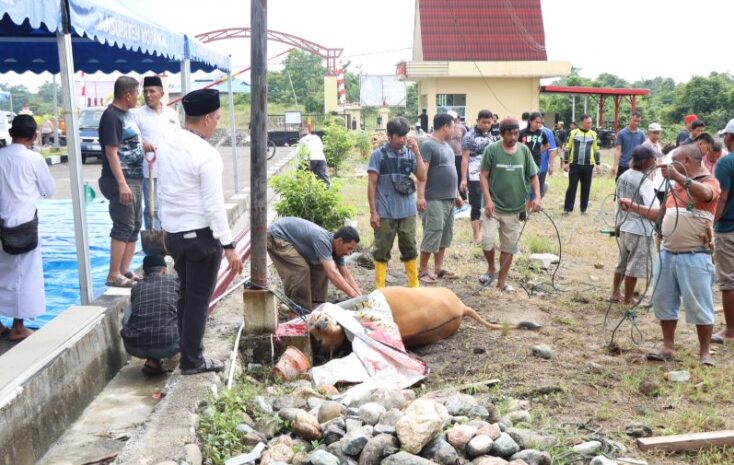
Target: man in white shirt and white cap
x,y
156,122
194,218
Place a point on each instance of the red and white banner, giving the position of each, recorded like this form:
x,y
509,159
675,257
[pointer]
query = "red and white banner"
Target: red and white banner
x,y
342,90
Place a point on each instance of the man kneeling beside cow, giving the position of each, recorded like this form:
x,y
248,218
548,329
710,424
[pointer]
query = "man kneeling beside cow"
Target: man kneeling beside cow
x,y
307,257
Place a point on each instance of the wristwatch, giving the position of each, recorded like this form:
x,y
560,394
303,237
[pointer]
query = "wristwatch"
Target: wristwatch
x,y
230,246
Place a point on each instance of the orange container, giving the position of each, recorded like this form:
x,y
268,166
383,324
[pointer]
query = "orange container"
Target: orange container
x,y
291,364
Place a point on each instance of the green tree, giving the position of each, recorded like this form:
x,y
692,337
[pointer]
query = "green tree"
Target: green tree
x,y
337,144
306,72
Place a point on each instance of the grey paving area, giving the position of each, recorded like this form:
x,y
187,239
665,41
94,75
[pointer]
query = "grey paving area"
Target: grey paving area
x,y
93,168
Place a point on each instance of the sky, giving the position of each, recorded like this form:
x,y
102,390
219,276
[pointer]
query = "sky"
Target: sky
x,y
634,39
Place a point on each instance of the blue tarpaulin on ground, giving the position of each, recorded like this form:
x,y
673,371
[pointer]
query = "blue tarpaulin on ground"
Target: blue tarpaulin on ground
x,y
106,37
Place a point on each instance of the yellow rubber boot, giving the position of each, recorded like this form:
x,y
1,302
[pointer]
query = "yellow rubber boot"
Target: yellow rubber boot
x,y
380,274
411,269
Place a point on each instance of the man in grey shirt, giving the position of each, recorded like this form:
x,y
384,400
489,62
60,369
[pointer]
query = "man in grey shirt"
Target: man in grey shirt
x,y
307,257
441,195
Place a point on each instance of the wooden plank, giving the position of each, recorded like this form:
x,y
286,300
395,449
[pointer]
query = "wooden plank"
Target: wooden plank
x,y
689,441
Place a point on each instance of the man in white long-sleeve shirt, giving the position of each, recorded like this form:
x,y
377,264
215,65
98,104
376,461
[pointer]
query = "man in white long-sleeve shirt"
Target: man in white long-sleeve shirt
x,y
24,180
193,215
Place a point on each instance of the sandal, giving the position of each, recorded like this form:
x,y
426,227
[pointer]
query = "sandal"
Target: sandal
x,y
133,276
208,365
486,279
446,274
425,277
153,369
120,281
660,356
707,362
507,289
721,339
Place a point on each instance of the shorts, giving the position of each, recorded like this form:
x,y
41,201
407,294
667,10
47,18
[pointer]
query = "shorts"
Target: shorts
x,y
438,225
634,250
508,225
686,278
126,219
724,254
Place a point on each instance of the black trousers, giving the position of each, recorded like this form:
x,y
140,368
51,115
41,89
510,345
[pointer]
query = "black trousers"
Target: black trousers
x,y
320,169
196,260
620,171
576,174
475,199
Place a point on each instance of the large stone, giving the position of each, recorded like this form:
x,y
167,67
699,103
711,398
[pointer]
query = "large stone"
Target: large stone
x,y
327,390
387,397
526,438
478,411
268,426
193,454
488,460
601,460
277,453
390,417
262,404
314,402
440,451
372,451
353,424
353,443
518,416
289,413
587,448
306,426
321,457
405,458
422,421
544,260
387,429
329,410
492,430
300,458
543,351
460,404
304,392
505,446
282,402
479,445
460,435
333,433
533,457
371,412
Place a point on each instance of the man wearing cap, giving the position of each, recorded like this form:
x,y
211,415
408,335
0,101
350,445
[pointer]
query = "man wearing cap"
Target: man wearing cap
x,y
194,218
697,128
685,132
635,233
150,325
508,172
455,142
684,271
316,158
122,178
24,180
156,122
724,235
627,139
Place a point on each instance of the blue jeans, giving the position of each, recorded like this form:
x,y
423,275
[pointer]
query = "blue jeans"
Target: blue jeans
x,y
687,278
146,208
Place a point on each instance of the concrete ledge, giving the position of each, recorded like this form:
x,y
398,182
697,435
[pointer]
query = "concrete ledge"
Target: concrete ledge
x,y
47,380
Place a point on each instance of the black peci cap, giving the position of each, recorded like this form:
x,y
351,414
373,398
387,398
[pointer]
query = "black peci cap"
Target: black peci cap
x,y
151,81
201,102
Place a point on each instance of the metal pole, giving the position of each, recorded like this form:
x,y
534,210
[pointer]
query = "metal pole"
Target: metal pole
x,y
573,108
66,63
232,133
258,142
586,104
57,134
185,76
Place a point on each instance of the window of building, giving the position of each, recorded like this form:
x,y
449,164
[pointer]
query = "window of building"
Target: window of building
x,y
455,102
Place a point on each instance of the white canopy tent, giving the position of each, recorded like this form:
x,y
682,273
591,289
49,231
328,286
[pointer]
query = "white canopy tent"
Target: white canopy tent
x,y
64,36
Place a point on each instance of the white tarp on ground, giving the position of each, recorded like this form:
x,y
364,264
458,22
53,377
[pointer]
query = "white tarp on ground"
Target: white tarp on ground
x,y
378,354
376,91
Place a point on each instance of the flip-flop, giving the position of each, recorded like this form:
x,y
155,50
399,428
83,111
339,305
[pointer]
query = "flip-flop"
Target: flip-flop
x,y
507,289
18,339
707,362
446,274
120,281
660,356
208,365
486,278
425,277
152,370
719,339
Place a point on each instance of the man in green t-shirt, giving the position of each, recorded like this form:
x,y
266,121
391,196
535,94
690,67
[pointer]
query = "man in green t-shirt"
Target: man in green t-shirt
x,y
507,173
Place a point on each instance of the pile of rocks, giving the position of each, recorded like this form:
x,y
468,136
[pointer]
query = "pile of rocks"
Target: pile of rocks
x,y
392,427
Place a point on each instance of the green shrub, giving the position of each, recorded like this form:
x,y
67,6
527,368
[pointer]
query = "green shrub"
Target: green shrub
x,y
303,195
363,143
337,145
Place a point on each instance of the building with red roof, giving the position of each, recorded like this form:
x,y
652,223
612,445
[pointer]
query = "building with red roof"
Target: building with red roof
x,y
470,55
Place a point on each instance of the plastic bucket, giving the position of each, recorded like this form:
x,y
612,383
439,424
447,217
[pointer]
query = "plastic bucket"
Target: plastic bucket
x,y
291,364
